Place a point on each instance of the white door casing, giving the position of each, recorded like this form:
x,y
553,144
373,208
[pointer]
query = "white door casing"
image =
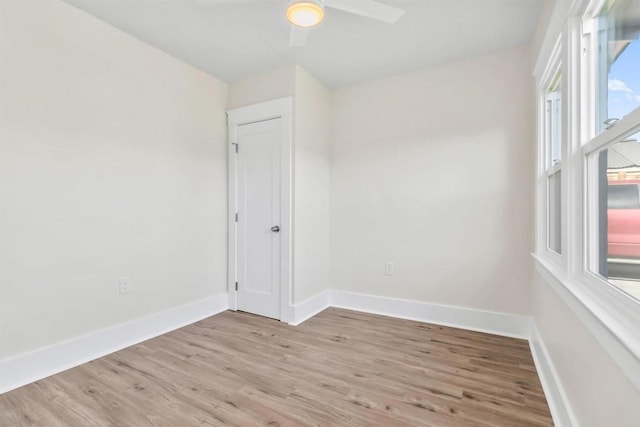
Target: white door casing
x,y
260,194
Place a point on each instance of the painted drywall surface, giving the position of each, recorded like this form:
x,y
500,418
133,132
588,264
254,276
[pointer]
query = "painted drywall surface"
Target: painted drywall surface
x,y
266,86
598,391
433,171
112,164
312,157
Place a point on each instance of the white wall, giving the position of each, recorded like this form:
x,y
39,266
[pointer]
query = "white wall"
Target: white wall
x,y
598,391
432,170
312,157
112,163
266,86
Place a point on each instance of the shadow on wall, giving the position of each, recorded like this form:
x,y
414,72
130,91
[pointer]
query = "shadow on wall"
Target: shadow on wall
x,y
433,171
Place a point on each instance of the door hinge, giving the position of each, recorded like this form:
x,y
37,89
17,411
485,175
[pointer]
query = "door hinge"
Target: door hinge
x,y
236,145
236,216
236,286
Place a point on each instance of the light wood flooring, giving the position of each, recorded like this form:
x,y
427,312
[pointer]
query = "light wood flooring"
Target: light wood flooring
x,y
340,368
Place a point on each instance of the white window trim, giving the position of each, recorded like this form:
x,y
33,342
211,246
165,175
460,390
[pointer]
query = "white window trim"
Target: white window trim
x,y
612,316
543,169
552,166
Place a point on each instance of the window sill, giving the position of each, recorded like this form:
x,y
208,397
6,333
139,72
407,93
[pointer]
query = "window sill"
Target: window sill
x,y
619,335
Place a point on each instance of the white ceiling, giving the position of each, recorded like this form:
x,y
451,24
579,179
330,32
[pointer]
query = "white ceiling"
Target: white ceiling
x,y
234,41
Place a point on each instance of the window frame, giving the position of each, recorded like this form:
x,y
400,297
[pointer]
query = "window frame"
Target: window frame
x,y
546,168
610,314
596,139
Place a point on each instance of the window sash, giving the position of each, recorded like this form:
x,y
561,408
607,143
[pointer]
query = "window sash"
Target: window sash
x,y
626,126
554,212
553,123
593,211
597,138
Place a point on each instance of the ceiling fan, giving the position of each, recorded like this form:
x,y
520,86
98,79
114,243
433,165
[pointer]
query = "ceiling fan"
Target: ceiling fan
x,y
304,14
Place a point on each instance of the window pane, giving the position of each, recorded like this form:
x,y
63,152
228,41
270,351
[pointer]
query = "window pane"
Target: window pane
x,y
553,105
619,60
555,212
619,225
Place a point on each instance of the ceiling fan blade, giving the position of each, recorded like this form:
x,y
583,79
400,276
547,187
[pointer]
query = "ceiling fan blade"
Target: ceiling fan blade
x,y
298,36
369,8
221,2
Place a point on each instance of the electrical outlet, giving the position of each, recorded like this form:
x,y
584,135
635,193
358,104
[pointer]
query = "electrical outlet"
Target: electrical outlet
x,y
125,285
388,268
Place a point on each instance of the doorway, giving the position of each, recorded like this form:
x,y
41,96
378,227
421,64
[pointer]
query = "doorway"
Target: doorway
x,y
260,209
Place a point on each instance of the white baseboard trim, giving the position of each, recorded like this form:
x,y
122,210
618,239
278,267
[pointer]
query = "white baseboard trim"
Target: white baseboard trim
x,y
556,398
510,325
41,363
33,366
310,307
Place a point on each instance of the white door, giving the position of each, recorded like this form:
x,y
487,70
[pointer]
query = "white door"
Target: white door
x,y
258,221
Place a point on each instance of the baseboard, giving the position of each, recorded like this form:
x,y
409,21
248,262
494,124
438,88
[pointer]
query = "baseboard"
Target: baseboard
x,y
33,366
36,365
310,307
553,391
510,325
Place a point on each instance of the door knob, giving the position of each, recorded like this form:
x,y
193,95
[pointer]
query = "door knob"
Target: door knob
x,y
275,228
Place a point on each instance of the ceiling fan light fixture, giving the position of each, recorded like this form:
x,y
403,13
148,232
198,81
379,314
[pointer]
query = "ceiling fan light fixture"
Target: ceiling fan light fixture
x,y
305,13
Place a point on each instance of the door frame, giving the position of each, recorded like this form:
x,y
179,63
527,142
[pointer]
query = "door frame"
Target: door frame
x,y
281,108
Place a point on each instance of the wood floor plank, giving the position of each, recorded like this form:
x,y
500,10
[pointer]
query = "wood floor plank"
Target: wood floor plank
x,y
339,368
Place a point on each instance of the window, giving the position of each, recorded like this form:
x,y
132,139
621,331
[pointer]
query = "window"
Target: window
x,y
588,174
553,162
618,214
618,60
613,155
